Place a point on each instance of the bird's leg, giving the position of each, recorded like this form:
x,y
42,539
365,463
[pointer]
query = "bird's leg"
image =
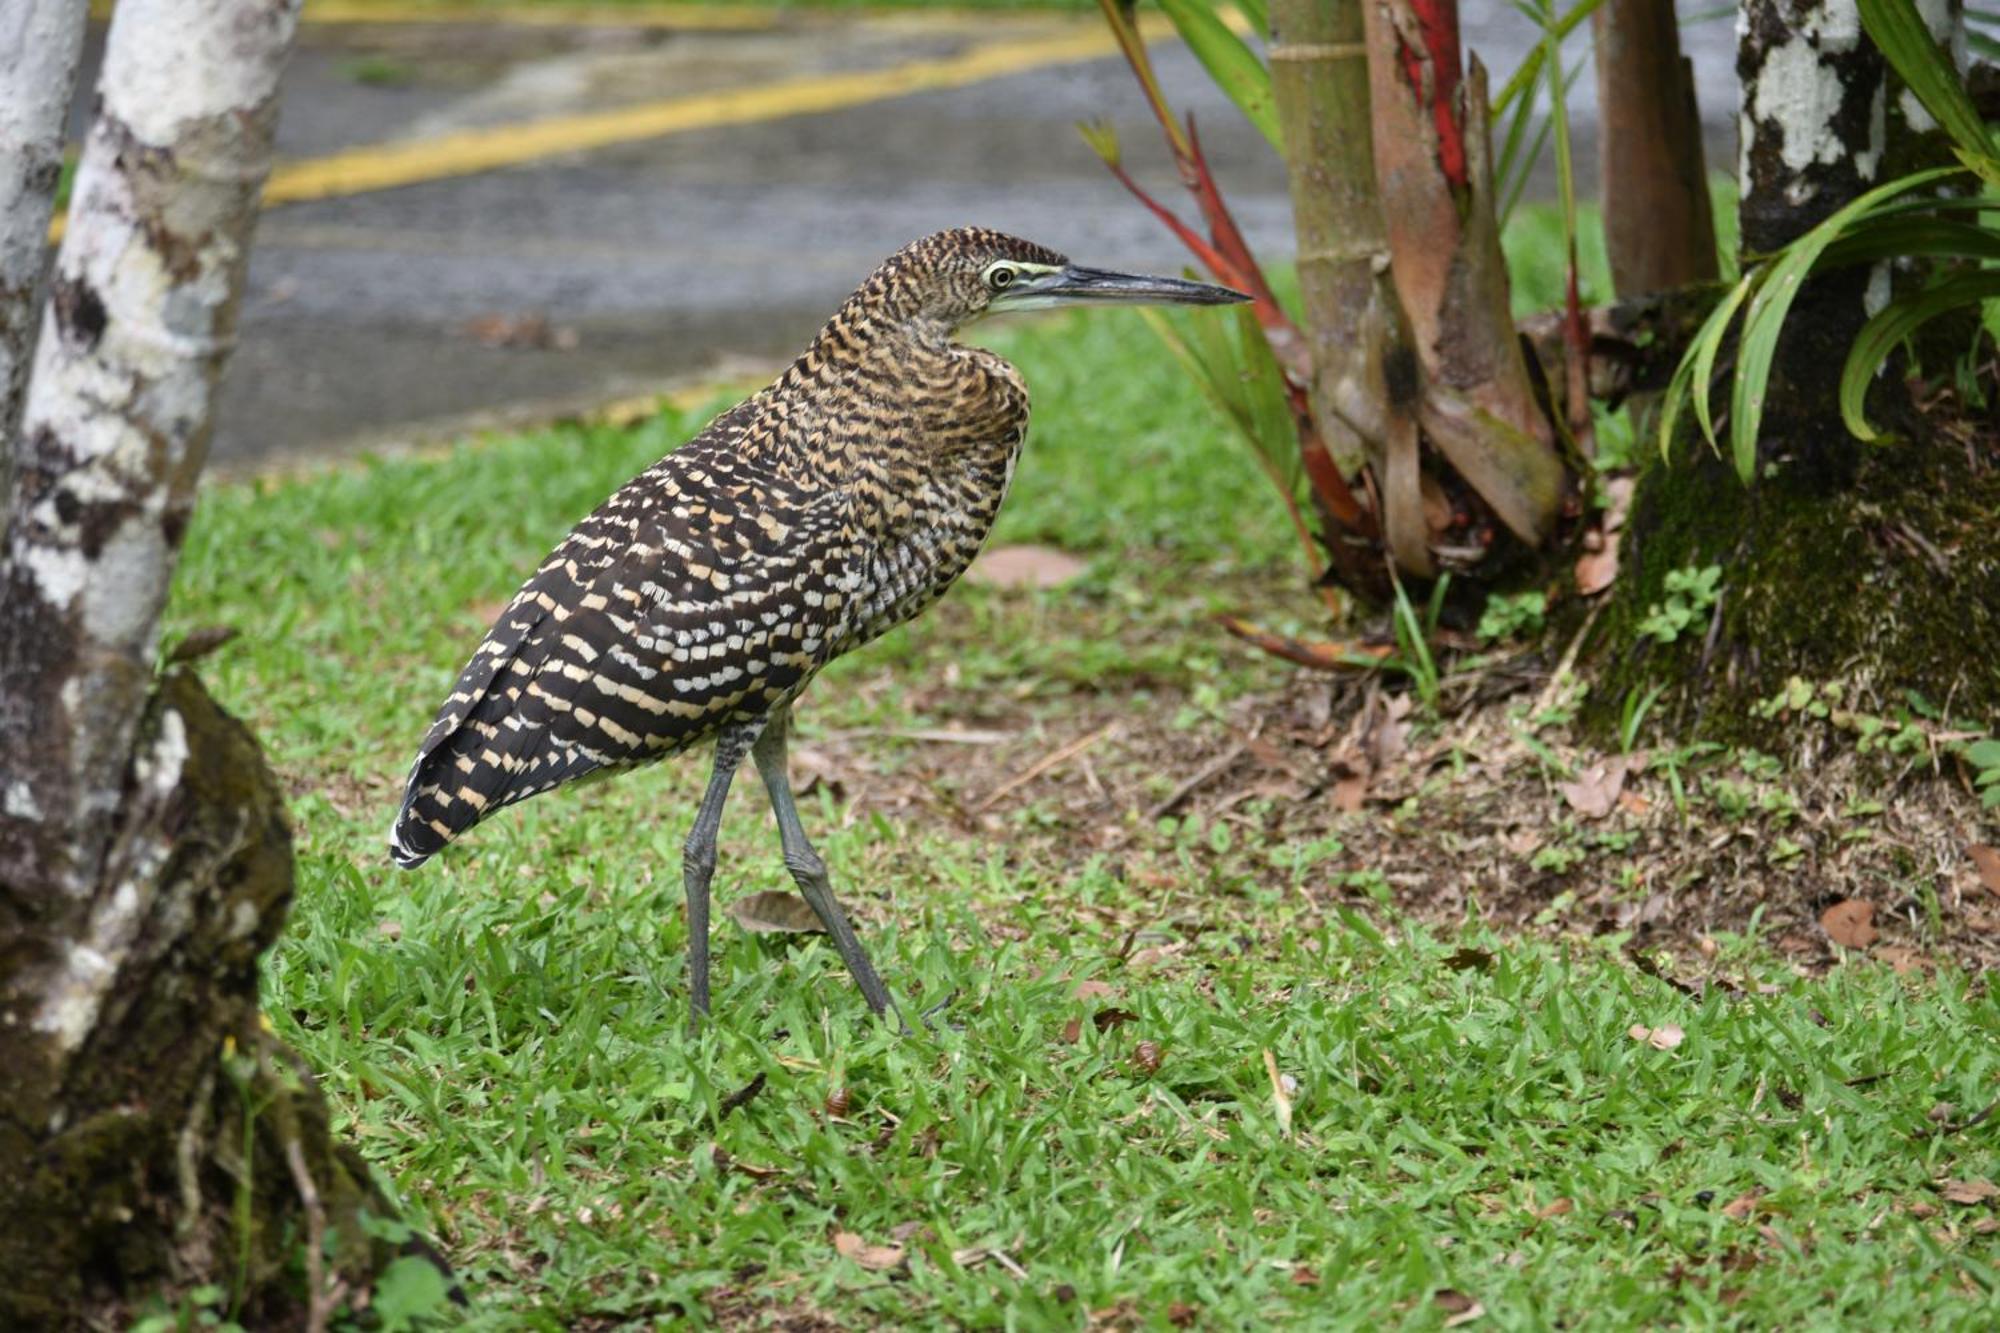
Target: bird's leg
x,y
698,857
806,867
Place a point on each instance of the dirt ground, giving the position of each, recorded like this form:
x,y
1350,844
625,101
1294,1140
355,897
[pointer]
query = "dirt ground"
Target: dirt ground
x,y
1476,812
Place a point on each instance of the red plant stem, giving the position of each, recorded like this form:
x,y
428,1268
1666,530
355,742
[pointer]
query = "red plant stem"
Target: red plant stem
x,y
1434,73
1218,266
1227,236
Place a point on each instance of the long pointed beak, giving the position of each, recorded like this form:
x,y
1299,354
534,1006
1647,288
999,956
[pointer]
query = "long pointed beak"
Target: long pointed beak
x,y
1095,286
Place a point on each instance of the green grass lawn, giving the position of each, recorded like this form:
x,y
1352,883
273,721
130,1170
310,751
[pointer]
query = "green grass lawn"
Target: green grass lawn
x,y
1094,1134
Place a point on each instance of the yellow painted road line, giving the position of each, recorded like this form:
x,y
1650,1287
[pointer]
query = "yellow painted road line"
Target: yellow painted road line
x,y
466,152
469,152
698,17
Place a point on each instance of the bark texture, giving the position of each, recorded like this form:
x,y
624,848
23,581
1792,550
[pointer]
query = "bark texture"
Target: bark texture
x,y
152,1135
1813,132
1658,229
1477,403
141,316
40,41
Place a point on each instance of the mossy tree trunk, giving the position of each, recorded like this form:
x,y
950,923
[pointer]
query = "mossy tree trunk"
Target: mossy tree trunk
x,y
153,1137
1876,566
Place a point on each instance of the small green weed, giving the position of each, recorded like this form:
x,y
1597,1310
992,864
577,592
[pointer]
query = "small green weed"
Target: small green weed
x,y
1512,616
1690,592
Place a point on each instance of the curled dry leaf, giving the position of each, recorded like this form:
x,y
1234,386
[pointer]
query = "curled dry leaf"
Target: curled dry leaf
x,y
1024,567
1107,1019
1596,790
1662,1038
1850,923
1556,1208
1742,1205
1987,861
1469,959
875,1258
1281,1094
1453,1302
1969,1191
1901,959
776,913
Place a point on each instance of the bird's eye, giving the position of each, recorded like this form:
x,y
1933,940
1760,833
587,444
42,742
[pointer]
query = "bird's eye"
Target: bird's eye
x,y
1000,277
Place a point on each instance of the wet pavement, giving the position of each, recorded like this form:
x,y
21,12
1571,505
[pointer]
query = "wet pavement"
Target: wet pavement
x,y
381,319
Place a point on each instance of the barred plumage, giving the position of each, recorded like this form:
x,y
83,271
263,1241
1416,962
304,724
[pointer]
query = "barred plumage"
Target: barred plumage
x,y
704,595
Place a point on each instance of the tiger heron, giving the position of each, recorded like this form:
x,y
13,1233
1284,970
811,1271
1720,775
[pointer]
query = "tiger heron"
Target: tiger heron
x,y
702,598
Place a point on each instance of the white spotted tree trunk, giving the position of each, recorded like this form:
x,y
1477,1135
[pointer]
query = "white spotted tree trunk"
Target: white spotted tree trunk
x,y
40,42
1876,567
145,857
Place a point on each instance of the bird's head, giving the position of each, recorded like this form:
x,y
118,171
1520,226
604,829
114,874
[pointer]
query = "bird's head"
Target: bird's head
x,y
951,278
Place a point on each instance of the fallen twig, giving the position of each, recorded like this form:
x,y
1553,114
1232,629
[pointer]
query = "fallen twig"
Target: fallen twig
x,y
1044,764
1213,770
321,1299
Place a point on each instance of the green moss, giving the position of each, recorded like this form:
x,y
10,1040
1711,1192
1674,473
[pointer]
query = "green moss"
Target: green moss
x,y
1874,565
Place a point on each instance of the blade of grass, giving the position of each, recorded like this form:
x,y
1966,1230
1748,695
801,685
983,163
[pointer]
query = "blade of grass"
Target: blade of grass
x,y
1881,335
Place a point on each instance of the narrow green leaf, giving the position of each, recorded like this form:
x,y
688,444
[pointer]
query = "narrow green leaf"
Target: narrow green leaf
x,y
1899,31
1878,237
1257,13
1697,368
1891,325
1236,69
1530,69
1277,435
1773,301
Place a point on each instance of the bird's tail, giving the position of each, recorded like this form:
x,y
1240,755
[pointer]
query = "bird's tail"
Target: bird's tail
x,y
470,774
451,788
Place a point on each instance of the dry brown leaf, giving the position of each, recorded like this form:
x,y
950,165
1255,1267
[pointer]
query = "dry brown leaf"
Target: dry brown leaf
x,y
1900,958
1987,861
1024,567
1662,1038
1453,1302
776,913
1557,1208
1092,990
1850,923
1281,1094
873,1257
1071,1031
1597,788
1469,959
1598,570
1465,1316
1969,1191
1107,1019
1350,791
1742,1205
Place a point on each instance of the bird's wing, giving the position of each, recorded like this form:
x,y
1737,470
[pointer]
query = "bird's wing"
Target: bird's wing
x,y
687,598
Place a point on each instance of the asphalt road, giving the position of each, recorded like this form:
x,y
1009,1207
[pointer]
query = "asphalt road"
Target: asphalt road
x,y
382,319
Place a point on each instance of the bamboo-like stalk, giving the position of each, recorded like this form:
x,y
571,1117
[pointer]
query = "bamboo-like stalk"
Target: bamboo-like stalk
x,y
1658,228
1319,81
